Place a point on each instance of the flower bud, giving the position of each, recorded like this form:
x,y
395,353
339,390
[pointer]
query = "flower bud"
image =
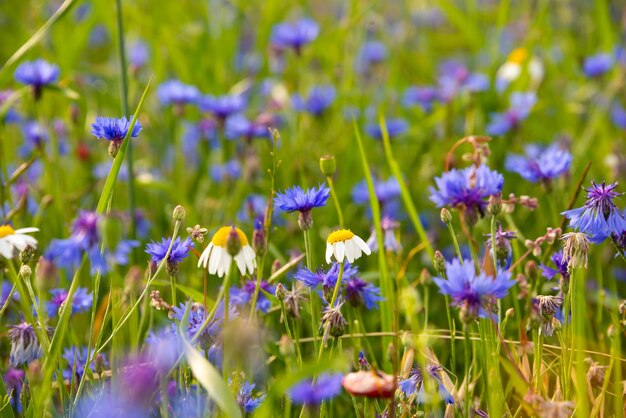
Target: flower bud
x,y
233,242
531,270
281,292
179,213
276,265
440,263
26,255
328,165
305,220
495,204
286,346
25,272
259,242
45,274
114,147
510,313
446,216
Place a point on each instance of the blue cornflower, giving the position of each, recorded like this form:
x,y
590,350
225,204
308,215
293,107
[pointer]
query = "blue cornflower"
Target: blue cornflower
x,y
35,137
296,199
175,92
222,106
390,242
25,345
540,163
294,35
230,170
415,384
114,129
386,191
395,127
358,293
327,278
138,55
309,392
37,74
238,126
13,382
245,398
561,267
473,293
77,360
164,348
455,78
597,65
253,208
5,291
320,98
618,116
599,218
423,97
467,188
521,104
180,250
371,53
197,316
244,295
81,302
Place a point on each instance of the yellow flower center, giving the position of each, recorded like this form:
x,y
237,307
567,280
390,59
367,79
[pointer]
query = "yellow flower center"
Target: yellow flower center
x,y
6,230
339,235
518,55
221,236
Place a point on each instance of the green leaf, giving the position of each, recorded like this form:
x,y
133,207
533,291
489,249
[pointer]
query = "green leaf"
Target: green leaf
x,y
211,380
6,411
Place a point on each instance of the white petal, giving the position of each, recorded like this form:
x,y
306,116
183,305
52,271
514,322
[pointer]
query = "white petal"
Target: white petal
x,y
17,241
352,251
26,230
362,245
329,252
223,264
204,257
250,258
214,259
6,249
340,251
241,263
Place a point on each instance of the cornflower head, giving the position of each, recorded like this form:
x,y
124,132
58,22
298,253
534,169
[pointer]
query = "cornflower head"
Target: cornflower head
x,y
358,292
14,382
15,240
25,346
35,137
81,303
180,250
222,106
521,105
138,55
415,384
504,252
370,54
238,126
228,243
37,74
114,130
561,264
313,392
599,217
297,199
343,243
76,359
598,65
246,400
175,92
230,170
455,78
395,127
210,335
320,98
540,163
294,35
467,189
475,293
422,96
326,278
242,296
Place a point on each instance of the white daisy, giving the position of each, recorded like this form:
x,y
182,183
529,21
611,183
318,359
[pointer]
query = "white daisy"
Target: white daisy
x,y
15,239
343,243
217,259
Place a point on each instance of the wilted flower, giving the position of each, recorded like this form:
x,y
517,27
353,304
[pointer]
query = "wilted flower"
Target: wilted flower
x,y
540,163
25,346
342,243
217,258
333,322
313,392
15,240
575,249
548,307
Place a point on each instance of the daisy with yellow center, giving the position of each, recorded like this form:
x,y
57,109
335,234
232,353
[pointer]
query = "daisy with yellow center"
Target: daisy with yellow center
x,y
344,244
228,243
15,239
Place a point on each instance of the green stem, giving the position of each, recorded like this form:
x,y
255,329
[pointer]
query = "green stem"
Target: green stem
x,y
467,367
307,249
173,286
455,242
289,333
333,193
337,286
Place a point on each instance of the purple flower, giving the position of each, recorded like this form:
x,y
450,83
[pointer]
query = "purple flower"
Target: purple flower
x,y
35,137
242,296
138,55
521,104
25,345
415,384
597,65
386,191
504,252
358,293
327,278
561,267
177,93
81,302
599,217
245,399
197,315
473,293
180,250
390,242
296,199
455,78
468,188
13,382
618,116
37,74
238,126
114,129
309,392
253,209
320,98
395,127
230,170
424,97
294,35
371,53
540,163
77,361
222,106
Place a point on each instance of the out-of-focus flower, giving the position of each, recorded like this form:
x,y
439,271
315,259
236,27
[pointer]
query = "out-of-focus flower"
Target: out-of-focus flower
x,y
343,243
175,92
294,35
35,137
521,105
138,55
358,292
395,127
618,116
309,392
13,382
222,106
76,359
370,54
390,242
246,400
370,383
238,126
320,98
37,74
414,384
422,96
455,78
230,170
209,337
25,346
540,163
80,303
244,295
217,257
598,65
517,63
14,240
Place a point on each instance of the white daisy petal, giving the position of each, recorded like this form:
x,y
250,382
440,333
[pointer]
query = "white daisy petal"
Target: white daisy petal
x,y
241,263
362,245
6,249
329,252
204,257
352,251
340,251
214,259
26,230
250,258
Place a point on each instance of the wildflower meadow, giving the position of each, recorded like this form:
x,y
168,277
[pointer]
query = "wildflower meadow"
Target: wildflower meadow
x,y
312,209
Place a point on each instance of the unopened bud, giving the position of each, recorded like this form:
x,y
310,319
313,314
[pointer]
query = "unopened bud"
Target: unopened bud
x,y
425,277
276,265
114,147
305,220
510,313
25,272
281,292
440,263
286,346
179,213
495,204
531,270
45,274
259,242
26,255
328,165
446,216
